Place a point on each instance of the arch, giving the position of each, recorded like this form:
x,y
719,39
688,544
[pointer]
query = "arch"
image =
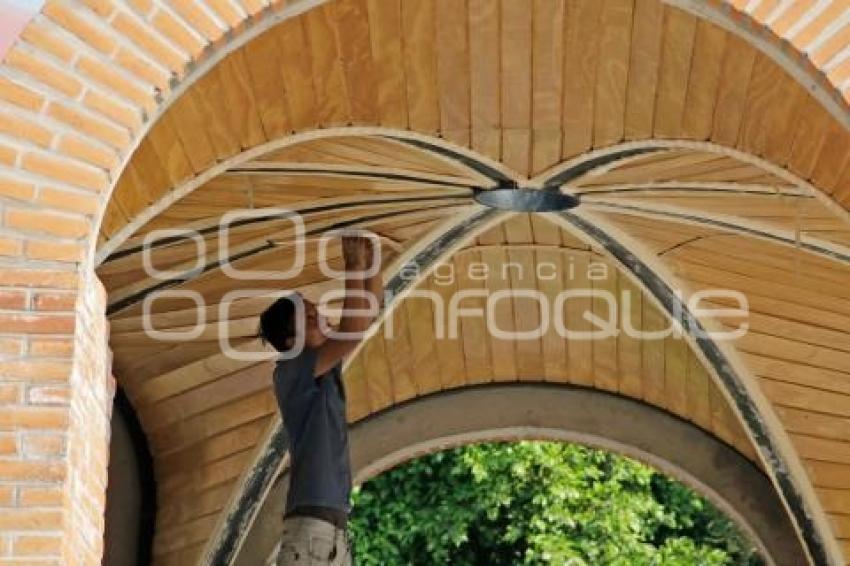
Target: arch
x,y
72,123
546,411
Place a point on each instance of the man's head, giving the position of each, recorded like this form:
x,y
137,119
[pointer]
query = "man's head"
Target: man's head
x,y
279,325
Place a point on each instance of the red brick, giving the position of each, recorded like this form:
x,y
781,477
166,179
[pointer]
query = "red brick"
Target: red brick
x,y
48,395
37,323
53,348
61,13
39,278
54,301
39,370
29,520
40,496
13,300
107,132
114,81
41,418
60,199
46,39
44,445
7,496
38,545
75,146
66,170
129,117
56,251
13,346
145,38
10,393
18,127
8,444
8,155
17,470
20,95
10,247
40,221
43,72
17,190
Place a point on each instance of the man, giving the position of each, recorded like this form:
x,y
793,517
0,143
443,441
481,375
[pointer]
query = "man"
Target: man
x,y
311,398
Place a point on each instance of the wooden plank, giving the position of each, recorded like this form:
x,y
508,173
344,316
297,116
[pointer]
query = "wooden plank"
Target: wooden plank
x,y
802,421
808,138
357,401
450,355
613,72
208,99
169,151
379,381
581,52
643,69
190,128
771,103
352,24
503,358
653,356
453,69
704,80
294,64
420,63
579,351
629,351
675,375
802,397
550,281
828,474
547,83
515,58
676,53
421,327
527,316
236,100
329,79
387,54
485,91
262,57
606,368
698,383
738,62
474,335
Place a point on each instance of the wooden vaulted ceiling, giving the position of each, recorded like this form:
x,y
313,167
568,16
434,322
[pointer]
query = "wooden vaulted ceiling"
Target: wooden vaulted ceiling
x,y
527,85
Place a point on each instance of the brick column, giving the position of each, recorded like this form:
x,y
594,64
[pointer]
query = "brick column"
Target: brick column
x,y
56,394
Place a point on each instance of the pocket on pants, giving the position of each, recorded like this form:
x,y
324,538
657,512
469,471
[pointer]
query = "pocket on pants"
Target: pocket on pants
x,y
321,548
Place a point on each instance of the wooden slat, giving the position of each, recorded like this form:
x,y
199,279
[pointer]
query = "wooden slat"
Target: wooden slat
x,y
420,64
516,65
387,54
581,52
679,32
453,69
644,60
613,72
485,87
547,83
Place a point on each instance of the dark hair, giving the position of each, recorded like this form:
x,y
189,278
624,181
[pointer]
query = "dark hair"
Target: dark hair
x,y
277,323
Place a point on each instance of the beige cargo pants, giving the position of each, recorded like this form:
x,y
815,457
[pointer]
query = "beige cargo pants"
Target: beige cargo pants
x,y
307,541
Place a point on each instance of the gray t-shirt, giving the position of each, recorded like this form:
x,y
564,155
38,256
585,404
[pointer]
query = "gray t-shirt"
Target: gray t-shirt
x,y
313,411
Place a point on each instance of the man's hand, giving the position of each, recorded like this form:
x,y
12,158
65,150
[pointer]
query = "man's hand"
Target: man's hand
x,y
357,251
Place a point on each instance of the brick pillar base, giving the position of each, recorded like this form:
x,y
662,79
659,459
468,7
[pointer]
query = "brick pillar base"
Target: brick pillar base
x,y
55,402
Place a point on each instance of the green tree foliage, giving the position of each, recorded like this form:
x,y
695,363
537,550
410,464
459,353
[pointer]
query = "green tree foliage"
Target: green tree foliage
x,y
537,503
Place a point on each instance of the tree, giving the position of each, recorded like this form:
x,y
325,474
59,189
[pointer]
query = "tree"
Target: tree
x,y
537,503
